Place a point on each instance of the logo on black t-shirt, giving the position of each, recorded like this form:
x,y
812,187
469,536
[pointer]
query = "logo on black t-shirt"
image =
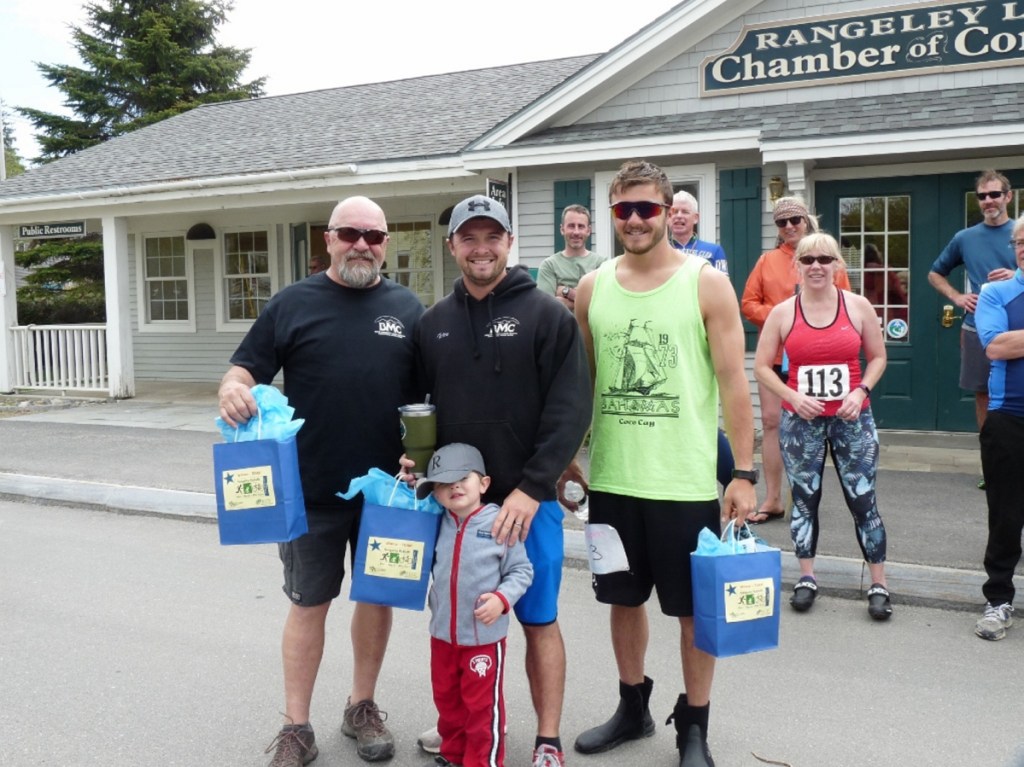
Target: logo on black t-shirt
x,y
503,327
390,326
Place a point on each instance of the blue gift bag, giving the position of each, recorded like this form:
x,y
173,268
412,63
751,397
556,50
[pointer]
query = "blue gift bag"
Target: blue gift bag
x,y
259,493
736,591
393,556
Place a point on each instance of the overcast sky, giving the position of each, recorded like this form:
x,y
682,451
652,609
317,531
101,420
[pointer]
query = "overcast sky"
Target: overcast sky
x,y
308,45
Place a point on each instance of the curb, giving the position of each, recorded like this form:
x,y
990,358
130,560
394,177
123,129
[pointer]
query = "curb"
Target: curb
x,y
838,576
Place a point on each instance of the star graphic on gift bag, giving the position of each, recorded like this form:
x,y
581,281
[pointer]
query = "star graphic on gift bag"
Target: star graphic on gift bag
x,y
229,478
732,591
375,545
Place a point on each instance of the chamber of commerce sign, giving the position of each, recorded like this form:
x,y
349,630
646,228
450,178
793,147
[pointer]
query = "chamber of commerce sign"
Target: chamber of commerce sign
x,y
896,41
39,231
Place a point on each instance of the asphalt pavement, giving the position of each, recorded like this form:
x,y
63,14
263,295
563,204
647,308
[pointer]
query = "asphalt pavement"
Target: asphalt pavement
x,y
153,454
138,640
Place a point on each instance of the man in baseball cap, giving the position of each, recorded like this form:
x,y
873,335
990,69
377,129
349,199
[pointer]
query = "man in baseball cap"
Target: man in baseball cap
x,y
478,206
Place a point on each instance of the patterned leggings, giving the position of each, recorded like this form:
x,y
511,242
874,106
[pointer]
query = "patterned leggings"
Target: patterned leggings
x,y
854,446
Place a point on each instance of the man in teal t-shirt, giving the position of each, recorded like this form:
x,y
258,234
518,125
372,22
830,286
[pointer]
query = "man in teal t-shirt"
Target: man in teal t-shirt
x,y
984,251
560,273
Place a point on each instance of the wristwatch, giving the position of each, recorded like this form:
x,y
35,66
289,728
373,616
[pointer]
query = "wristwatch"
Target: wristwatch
x,y
750,475
565,291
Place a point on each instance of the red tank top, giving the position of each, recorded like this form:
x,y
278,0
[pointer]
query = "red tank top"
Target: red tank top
x,y
824,363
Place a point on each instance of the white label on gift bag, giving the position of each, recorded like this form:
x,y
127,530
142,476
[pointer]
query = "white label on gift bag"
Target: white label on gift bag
x,y
251,488
749,600
605,551
824,382
394,558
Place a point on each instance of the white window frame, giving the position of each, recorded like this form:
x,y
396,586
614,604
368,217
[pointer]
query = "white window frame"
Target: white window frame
x,y
147,325
436,254
707,185
223,324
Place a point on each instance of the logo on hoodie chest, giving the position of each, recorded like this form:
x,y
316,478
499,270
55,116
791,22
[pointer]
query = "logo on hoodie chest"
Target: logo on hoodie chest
x,y
389,326
502,327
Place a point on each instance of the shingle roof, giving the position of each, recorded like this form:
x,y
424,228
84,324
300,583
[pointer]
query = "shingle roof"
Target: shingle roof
x,y
988,105
420,117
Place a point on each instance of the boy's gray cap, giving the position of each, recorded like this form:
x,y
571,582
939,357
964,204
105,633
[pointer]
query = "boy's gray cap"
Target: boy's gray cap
x,y
478,206
450,464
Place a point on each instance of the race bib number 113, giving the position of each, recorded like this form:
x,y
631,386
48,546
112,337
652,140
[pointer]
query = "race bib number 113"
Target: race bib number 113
x,y
826,382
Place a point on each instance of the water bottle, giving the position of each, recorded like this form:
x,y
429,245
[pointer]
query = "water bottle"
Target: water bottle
x,y
574,492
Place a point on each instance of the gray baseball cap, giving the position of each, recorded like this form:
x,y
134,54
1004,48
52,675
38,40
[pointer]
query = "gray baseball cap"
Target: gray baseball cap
x,y
478,206
450,464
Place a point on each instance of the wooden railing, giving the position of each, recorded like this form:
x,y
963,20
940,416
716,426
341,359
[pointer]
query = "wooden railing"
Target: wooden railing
x,y
61,357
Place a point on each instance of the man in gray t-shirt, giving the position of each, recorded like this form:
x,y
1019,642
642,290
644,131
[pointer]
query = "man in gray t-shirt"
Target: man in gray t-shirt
x,y
560,273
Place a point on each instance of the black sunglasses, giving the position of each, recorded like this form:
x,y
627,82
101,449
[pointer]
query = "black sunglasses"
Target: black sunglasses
x,y
643,208
823,260
351,234
792,221
989,195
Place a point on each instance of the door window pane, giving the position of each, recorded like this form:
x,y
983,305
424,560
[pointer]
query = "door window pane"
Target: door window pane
x,y
166,281
246,274
875,241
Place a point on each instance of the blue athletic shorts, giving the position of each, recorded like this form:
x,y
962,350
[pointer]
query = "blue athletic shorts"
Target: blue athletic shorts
x,y
545,546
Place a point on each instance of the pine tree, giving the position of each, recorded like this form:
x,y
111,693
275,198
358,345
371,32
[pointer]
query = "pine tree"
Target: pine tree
x,y
12,162
145,60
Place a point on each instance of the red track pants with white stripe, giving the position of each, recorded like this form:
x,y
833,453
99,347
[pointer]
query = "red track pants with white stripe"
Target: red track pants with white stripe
x,y
468,684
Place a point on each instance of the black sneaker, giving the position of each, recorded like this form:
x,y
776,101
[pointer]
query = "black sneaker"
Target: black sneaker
x,y
365,722
294,746
804,592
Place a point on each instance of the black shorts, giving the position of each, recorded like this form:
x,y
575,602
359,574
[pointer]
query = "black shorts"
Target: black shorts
x,y
658,537
314,563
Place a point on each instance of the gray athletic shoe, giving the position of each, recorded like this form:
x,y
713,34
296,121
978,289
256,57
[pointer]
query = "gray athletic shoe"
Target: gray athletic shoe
x,y
294,746
430,741
365,722
993,624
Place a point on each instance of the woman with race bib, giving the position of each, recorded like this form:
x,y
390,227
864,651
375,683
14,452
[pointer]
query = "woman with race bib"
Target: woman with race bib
x,y
823,330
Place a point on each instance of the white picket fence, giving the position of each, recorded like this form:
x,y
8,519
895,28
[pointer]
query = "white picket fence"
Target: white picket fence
x,y
61,357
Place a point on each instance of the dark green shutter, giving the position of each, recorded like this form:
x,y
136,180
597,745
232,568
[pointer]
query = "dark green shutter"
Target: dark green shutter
x,y
740,219
570,193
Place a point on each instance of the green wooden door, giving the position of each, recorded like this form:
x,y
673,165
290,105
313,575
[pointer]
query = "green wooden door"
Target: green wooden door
x,y
740,219
907,222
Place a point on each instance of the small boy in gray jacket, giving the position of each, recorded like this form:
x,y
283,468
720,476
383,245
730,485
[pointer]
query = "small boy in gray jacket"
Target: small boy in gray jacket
x,y
475,584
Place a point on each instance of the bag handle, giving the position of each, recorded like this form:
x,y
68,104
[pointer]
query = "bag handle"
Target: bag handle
x,y
732,539
394,489
259,426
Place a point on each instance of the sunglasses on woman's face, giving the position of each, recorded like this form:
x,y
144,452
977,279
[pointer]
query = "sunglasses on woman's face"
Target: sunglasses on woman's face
x,y
351,234
643,208
792,221
823,260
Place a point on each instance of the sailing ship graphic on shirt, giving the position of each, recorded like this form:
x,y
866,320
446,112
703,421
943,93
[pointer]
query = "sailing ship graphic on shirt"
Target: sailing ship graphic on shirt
x,y
639,359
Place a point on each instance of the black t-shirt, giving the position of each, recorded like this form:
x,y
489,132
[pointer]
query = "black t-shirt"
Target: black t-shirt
x,y
348,362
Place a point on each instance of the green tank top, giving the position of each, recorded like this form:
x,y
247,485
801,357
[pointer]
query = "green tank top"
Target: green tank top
x,y
655,424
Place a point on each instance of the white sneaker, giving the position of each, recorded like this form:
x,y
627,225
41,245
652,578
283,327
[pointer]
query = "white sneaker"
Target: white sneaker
x,y
996,620
430,741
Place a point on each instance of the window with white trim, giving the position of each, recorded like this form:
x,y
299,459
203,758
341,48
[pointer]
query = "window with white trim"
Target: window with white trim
x,y
246,282
165,284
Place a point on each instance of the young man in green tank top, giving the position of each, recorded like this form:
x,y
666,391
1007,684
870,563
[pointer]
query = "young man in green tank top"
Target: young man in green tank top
x,y
664,337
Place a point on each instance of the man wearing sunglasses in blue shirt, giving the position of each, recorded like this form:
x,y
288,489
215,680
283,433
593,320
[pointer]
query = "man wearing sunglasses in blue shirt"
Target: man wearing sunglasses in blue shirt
x,y
984,252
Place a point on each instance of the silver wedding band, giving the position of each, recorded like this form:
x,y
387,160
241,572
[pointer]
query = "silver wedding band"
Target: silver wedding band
x,y
517,524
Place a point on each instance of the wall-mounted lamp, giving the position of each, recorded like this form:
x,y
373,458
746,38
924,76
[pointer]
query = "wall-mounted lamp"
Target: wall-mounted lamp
x,y
201,232
775,188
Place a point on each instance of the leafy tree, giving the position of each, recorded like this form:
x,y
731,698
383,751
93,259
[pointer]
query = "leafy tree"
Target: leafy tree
x,y
145,60
12,162
65,284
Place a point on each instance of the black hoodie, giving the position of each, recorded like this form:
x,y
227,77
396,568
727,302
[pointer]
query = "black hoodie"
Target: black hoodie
x,y
509,376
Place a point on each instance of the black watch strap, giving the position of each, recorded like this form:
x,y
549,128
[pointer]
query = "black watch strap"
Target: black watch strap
x,y
750,475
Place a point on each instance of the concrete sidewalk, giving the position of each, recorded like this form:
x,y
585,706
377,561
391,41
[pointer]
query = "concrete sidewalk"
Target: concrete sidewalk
x,y
153,454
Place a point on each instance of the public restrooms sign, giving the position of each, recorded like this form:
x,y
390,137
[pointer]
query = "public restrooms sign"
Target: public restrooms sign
x,y
891,42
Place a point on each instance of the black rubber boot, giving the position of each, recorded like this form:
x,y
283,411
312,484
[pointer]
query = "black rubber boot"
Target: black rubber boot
x,y
632,720
692,733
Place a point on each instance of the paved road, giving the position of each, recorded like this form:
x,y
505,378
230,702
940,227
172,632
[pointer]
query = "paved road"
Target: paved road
x,y
138,640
